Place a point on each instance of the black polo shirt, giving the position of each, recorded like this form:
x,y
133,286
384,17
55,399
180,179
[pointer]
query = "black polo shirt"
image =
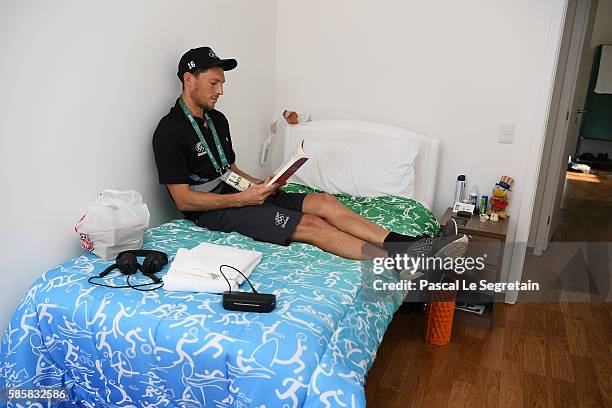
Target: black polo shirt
x,y
179,154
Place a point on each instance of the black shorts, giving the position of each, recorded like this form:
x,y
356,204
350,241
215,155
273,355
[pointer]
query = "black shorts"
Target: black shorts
x,y
274,221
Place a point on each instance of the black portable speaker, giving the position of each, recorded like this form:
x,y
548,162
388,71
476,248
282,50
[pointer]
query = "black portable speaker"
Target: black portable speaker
x,y
249,302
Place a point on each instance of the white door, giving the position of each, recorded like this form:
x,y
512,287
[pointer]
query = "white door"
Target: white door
x,y
562,125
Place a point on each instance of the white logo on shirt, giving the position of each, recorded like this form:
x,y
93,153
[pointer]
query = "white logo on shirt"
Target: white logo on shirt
x,y
200,149
281,219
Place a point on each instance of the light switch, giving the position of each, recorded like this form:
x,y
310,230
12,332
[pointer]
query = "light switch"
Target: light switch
x,y
506,131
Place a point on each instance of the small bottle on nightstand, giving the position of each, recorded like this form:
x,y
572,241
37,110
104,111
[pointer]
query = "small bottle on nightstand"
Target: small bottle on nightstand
x,y
474,198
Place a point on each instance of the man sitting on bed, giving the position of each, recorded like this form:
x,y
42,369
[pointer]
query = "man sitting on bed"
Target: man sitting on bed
x,y
193,147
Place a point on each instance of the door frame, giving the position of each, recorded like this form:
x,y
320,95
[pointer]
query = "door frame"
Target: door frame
x,y
561,112
516,249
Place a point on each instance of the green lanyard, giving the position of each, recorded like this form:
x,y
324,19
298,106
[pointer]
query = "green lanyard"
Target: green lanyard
x,y
224,163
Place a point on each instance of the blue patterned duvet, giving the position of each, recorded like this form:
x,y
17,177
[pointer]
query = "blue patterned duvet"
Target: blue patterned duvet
x,y
123,348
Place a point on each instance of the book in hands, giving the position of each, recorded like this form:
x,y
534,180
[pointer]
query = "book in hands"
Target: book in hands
x,y
289,167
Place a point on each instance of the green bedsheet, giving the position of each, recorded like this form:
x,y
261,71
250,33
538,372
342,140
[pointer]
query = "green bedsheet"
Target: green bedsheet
x,y
396,214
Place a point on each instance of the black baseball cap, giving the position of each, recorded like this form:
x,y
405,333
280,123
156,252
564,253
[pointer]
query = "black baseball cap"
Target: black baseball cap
x,y
202,58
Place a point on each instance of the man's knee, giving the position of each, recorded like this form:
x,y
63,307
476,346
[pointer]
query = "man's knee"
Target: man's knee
x,y
329,199
313,223
325,202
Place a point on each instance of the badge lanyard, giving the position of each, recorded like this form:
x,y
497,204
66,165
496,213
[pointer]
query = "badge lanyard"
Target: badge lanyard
x,y
224,163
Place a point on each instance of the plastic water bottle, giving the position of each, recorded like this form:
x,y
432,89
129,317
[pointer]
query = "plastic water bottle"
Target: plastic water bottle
x,y
474,198
459,189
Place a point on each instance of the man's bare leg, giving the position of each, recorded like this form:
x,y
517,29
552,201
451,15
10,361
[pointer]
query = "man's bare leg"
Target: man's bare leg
x,y
327,207
316,231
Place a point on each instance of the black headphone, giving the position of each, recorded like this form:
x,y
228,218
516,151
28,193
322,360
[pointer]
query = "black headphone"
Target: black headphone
x,y
127,264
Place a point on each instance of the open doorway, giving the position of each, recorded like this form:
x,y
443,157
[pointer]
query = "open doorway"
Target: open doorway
x,y
572,201
571,232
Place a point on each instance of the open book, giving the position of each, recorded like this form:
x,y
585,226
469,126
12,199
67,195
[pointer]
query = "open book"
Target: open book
x,y
290,166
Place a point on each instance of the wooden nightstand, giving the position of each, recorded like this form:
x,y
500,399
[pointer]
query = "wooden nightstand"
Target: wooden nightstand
x,y
487,240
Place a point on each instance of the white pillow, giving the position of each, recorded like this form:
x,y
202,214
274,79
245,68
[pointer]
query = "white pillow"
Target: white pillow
x,y
362,169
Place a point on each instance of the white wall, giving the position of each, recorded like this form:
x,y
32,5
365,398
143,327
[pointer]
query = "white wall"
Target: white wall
x,y
83,86
449,69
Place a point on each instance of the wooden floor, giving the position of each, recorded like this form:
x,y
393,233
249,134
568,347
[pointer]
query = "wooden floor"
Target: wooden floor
x,y
538,355
586,209
551,354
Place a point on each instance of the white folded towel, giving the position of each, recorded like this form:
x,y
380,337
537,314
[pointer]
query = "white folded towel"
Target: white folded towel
x,y
184,283
197,270
604,77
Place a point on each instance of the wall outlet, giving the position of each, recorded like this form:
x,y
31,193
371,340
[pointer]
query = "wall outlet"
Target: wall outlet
x,y
506,131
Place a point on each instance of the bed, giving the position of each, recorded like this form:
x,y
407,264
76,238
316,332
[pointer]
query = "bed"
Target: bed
x,y
123,348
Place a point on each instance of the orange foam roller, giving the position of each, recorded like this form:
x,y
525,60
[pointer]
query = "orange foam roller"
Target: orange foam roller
x,y
439,320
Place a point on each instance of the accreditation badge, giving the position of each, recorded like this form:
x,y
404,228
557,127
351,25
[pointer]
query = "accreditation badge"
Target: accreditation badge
x,y
235,180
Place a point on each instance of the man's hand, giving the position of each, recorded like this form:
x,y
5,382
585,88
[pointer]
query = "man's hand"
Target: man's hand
x,y
257,194
270,177
267,180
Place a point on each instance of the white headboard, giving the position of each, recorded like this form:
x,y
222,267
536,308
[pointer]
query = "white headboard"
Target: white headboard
x,y
426,164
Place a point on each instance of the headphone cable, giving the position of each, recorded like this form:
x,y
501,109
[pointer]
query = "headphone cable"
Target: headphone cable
x,y
228,283
158,281
138,286
128,284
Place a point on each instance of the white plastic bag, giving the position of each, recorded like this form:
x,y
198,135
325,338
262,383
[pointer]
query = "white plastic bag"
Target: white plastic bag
x,y
115,222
